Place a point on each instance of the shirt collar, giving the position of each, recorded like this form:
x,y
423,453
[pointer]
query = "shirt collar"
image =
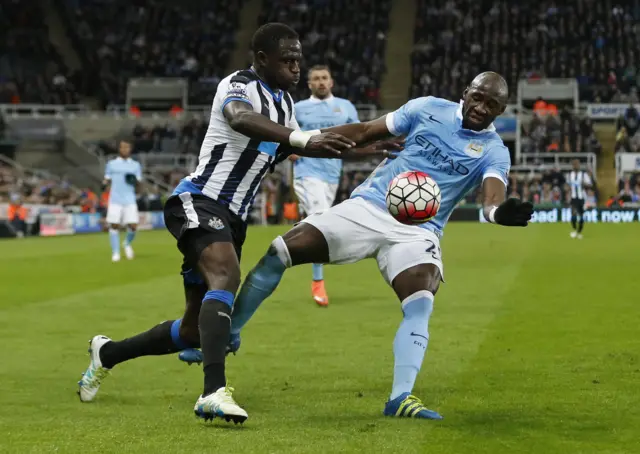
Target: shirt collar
x,y
490,128
316,99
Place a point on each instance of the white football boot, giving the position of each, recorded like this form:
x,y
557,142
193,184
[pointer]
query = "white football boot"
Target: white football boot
x,y
115,257
91,380
220,404
128,252
573,234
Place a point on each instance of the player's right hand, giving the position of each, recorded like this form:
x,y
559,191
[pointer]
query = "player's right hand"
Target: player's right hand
x,y
329,141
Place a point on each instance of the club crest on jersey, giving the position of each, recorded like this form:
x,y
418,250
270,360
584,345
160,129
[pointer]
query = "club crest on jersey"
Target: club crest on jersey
x,y
474,150
216,223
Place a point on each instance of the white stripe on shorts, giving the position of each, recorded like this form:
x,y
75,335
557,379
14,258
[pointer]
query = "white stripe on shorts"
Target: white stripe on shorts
x,y
189,209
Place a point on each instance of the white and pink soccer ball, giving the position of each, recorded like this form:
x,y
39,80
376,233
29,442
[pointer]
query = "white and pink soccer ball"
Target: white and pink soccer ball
x,y
413,197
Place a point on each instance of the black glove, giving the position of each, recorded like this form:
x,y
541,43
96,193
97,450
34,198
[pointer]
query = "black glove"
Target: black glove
x,y
513,213
131,179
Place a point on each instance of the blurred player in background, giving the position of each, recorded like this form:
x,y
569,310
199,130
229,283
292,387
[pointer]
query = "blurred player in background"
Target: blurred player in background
x,y
579,182
252,114
316,180
457,145
122,178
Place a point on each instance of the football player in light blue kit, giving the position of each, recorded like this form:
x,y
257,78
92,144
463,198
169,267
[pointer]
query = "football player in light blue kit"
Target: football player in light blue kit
x,y
316,180
122,176
456,144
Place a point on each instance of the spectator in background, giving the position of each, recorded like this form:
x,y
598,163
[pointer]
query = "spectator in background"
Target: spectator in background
x,y
623,142
590,201
17,216
631,121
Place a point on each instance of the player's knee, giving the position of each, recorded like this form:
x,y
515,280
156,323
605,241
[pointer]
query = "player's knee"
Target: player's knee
x,y
219,271
132,227
417,278
114,226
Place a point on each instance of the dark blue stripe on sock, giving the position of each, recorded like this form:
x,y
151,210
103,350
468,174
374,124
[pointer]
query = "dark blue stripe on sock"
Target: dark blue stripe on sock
x,y
175,335
220,295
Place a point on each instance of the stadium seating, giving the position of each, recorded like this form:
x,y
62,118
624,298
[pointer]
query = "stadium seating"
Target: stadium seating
x,y
564,132
355,53
126,39
31,70
591,40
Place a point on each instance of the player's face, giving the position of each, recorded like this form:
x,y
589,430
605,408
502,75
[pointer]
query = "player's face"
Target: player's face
x,y
283,67
320,83
575,164
125,149
480,108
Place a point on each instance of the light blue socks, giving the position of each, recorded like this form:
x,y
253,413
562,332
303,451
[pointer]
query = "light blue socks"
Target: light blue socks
x,y
318,275
114,239
410,343
131,234
259,284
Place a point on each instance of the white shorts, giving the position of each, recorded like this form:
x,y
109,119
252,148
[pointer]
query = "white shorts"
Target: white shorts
x,y
355,230
314,195
122,214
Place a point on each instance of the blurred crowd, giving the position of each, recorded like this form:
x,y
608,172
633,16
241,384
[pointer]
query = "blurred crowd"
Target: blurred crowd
x,y
347,35
31,70
121,39
185,138
549,131
627,126
593,41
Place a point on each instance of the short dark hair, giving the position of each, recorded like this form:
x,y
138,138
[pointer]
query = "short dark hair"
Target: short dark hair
x,y
318,68
267,38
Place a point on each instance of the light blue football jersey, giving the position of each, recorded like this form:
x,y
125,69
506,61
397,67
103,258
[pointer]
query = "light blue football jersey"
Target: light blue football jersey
x,y
457,159
314,113
121,192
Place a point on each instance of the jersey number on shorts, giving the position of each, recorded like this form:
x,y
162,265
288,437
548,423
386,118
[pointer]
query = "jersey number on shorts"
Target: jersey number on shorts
x,y
433,250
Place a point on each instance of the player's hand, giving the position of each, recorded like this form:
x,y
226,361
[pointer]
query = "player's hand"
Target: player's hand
x,y
293,157
389,148
329,141
514,213
131,179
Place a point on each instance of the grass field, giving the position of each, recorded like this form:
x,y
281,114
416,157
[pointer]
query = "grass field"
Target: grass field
x,y
534,348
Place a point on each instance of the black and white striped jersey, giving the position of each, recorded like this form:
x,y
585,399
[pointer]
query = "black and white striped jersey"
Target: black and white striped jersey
x,y
578,181
231,165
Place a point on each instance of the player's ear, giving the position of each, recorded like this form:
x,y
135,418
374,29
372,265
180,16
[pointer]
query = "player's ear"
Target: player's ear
x,y
261,58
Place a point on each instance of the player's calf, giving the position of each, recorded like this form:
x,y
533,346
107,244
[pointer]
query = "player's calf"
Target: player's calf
x,y
259,285
415,287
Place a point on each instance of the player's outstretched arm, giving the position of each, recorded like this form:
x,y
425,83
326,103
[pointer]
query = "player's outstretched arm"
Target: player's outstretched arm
x,y
382,148
363,132
243,119
510,212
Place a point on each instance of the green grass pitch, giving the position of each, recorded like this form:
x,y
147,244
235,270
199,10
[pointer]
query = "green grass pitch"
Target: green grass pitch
x,y
535,348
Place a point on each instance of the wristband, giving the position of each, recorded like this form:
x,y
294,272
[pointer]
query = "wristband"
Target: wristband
x,y
299,138
492,215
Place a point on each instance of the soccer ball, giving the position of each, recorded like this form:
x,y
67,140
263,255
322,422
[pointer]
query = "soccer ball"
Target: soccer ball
x,y
413,198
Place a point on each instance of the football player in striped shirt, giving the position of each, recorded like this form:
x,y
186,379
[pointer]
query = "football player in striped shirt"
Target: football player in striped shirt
x,y
252,116
579,182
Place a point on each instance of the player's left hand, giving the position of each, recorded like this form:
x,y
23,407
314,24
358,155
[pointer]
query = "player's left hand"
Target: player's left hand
x,y
514,213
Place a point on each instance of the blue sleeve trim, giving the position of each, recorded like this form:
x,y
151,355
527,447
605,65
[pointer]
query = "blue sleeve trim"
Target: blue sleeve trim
x,y
234,98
